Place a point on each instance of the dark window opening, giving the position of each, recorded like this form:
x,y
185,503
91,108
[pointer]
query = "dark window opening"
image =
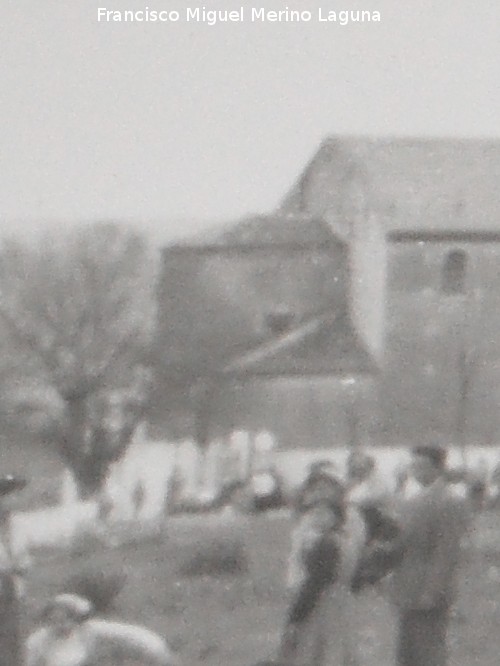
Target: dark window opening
x,y
279,321
453,273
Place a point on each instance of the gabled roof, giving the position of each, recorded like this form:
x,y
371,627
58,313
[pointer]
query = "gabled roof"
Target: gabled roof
x,y
263,230
323,345
412,183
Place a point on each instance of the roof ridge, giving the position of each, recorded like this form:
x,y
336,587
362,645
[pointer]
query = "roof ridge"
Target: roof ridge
x,y
411,138
234,233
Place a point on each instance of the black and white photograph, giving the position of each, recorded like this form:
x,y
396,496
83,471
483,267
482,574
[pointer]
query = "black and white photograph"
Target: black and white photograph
x,y
250,333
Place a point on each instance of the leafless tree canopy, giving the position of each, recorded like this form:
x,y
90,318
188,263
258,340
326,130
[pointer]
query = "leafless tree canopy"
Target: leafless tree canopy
x,y
78,313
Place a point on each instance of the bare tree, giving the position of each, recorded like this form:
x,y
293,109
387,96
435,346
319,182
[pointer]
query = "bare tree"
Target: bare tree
x,y
78,312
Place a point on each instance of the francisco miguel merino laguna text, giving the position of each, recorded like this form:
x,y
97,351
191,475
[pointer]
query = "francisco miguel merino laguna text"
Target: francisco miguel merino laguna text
x,y
240,15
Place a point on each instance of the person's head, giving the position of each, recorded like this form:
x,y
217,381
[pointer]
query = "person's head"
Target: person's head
x,y
321,485
321,468
428,463
65,612
359,466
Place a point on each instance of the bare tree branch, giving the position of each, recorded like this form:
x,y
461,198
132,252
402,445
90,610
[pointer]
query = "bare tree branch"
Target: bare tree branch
x,y
81,306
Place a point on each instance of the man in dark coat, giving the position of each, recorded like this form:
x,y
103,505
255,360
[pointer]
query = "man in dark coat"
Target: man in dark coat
x,y
432,524
12,565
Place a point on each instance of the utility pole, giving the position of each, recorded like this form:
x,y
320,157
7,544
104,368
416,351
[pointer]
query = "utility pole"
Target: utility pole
x,y
464,382
201,399
466,364
353,427
353,434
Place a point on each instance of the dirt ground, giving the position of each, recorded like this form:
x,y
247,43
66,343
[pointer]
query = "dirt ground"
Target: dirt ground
x,y
235,620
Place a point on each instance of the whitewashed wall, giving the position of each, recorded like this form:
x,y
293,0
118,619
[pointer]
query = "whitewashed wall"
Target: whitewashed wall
x,y
152,466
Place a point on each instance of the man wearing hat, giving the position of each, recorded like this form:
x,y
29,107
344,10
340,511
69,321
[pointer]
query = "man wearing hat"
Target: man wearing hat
x,y
432,524
12,566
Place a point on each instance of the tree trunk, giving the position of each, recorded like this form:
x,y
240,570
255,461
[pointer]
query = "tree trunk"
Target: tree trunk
x,y
89,449
203,403
84,452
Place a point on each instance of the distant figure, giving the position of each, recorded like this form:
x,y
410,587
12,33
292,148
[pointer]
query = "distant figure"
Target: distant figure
x,y
13,565
433,522
72,637
479,488
138,498
359,466
266,489
407,485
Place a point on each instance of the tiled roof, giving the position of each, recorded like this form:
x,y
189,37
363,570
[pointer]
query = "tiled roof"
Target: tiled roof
x,y
274,229
411,183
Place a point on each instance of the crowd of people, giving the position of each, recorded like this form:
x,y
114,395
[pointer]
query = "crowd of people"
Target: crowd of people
x,y
352,534
349,533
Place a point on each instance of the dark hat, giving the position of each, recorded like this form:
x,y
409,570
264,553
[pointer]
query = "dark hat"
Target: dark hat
x,y
436,454
10,484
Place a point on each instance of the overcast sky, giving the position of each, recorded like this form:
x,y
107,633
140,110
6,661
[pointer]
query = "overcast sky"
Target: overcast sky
x,y
180,125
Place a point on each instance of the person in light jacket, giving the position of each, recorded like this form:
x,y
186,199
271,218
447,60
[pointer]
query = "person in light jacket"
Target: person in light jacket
x,y
72,636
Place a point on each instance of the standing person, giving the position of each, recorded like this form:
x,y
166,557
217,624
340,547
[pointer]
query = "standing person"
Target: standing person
x,y
13,564
432,524
369,494
318,625
320,485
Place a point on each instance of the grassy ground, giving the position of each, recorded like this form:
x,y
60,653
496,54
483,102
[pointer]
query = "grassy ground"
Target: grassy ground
x,y
236,620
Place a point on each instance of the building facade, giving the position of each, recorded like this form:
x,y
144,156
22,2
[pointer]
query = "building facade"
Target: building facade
x,y
433,282
443,347
383,255
256,333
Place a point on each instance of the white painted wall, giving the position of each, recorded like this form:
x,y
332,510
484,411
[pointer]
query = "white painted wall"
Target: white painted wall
x,y
153,463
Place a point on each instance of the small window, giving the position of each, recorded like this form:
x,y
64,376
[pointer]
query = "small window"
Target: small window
x,y
453,273
280,321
